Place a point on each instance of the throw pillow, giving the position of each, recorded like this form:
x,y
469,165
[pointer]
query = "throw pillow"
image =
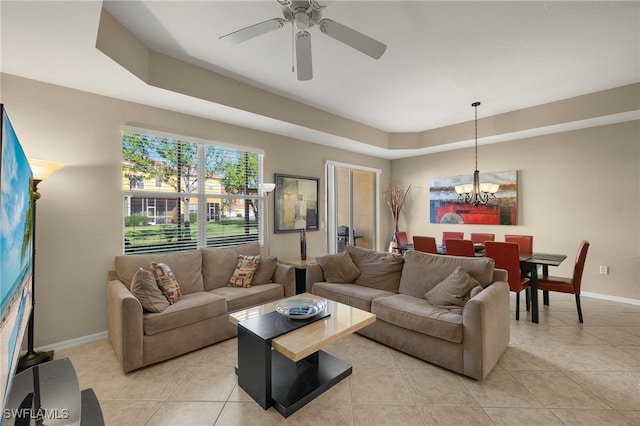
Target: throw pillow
x,y
475,291
145,288
245,269
339,268
453,291
265,270
166,281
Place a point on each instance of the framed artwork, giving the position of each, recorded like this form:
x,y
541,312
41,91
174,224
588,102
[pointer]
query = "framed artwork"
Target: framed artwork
x,y
445,207
296,203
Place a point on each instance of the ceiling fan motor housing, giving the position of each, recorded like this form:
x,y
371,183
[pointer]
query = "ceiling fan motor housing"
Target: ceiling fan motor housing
x,y
302,13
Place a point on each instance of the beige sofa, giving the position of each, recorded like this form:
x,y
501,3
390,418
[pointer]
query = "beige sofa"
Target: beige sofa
x,y
200,317
468,339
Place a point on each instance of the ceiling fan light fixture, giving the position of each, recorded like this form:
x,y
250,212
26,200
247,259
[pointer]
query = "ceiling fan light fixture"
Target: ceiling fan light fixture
x,y
301,20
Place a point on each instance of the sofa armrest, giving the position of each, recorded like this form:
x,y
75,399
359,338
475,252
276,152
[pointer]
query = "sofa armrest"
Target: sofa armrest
x,y
500,275
285,275
486,329
314,274
124,323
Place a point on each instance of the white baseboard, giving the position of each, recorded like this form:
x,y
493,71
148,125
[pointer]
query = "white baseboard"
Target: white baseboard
x,y
74,342
611,298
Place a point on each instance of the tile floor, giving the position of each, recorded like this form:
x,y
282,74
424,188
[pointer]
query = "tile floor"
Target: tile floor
x,y
557,372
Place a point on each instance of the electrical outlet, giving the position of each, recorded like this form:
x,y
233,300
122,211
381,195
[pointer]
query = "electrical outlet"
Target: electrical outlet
x,y
604,270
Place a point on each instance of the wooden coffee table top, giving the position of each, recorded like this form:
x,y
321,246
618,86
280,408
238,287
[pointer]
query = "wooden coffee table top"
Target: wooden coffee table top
x,y
309,339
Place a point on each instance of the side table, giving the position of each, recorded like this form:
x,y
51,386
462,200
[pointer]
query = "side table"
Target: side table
x,y
301,271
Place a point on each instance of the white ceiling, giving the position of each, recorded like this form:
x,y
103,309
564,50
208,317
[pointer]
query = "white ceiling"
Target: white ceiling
x,y
441,56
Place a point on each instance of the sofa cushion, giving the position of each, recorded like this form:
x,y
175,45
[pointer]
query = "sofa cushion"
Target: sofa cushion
x,y
338,268
423,271
419,315
350,294
245,269
189,309
240,298
378,269
166,281
145,288
218,263
186,266
453,291
266,268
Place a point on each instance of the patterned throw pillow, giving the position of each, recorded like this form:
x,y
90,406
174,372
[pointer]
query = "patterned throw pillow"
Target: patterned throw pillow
x,y
166,281
245,269
145,288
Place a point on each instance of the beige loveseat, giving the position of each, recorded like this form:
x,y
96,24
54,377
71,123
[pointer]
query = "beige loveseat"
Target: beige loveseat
x,y
200,317
468,339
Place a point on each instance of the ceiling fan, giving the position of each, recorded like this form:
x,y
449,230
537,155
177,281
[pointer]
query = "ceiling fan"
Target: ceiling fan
x,y
304,14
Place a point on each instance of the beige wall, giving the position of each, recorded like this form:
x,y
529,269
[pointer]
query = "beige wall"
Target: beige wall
x,y
576,185
80,212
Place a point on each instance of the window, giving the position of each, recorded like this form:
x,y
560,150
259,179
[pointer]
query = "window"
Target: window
x,y
165,206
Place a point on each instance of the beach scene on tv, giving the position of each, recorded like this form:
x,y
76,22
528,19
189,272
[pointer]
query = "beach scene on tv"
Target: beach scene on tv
x,y
15,251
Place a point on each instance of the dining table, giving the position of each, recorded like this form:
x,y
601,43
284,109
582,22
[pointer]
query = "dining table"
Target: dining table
x,y
529,262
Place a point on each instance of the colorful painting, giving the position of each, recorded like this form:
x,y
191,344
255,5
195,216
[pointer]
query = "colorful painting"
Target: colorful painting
x,y
296,203
445,207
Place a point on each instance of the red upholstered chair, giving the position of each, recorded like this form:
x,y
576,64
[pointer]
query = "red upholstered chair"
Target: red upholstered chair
x,y
479,238
460,248
446,235
401,238
524,241
507,256
425,244
568,285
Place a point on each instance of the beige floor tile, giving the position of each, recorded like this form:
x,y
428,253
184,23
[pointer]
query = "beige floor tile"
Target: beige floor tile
x,y
98,352
455,416
249,414
620,390
186,413
499,389
239,395
633,416
339,394
205,383
222,353
555,390
322,414
523,417
128,412
615,335
379,386
524,357
385,415
572,417
435,387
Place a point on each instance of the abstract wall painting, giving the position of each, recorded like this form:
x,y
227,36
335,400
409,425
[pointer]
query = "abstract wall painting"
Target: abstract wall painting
x,y
445,207
296,203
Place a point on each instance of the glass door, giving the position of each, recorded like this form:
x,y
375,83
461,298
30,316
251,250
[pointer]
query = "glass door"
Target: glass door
x,y
351,207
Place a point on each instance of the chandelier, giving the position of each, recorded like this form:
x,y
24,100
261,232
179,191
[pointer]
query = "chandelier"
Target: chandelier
x,y
477,193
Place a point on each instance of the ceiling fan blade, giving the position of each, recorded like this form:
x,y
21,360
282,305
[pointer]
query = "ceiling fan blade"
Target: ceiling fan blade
x,y
303,56
353,38
253,31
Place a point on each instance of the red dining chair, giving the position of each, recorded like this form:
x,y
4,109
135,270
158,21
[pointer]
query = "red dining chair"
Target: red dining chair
x,y
447,235
479,238
425,244
460,248
507,256
567,285
401,238
524,241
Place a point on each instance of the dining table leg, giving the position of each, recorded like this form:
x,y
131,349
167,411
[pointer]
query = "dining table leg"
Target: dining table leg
x,y
533,285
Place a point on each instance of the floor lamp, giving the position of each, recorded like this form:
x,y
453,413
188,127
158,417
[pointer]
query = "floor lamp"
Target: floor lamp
x,y
267,188
41,170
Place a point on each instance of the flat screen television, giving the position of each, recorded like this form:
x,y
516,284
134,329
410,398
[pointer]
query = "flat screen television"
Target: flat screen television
x,y
16,254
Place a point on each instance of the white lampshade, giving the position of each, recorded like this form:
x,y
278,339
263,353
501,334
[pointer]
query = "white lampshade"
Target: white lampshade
x,y
43,169
267,187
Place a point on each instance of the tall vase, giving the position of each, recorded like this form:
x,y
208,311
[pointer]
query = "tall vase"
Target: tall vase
x,y
303,245
393,244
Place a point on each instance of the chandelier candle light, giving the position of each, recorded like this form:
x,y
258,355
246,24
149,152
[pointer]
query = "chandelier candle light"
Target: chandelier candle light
x,y
477,193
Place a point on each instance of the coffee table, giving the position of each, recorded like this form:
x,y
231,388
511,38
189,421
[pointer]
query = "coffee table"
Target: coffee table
x,y
289,370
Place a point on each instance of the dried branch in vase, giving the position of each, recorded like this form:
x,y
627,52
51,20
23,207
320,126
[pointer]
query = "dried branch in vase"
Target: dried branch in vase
x,y
395,196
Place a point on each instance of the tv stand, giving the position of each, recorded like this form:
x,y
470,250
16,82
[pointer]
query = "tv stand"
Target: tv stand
x,y
49,393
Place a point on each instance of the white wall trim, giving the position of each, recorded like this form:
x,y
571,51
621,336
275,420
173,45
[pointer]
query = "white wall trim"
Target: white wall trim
x,y
611,298
74,342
